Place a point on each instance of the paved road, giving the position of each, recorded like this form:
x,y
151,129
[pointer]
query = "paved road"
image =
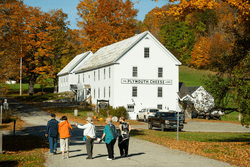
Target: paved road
x,y
141,153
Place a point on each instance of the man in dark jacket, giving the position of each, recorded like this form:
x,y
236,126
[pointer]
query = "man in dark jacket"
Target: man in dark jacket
x,y
52,132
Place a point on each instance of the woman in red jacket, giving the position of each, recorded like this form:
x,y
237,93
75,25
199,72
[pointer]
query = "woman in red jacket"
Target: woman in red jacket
x,y
63,130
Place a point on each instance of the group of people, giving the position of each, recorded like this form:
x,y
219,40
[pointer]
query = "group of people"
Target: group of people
x,y
110,134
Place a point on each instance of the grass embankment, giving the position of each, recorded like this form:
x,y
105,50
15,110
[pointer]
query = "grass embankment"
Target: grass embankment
x,y
233,148
23,151
10,125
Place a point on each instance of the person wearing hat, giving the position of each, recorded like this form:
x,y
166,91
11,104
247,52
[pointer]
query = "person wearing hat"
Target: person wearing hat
x,y
63,130
52,132
89,132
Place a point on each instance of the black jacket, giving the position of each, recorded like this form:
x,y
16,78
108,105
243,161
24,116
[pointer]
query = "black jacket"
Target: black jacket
x,y
52,128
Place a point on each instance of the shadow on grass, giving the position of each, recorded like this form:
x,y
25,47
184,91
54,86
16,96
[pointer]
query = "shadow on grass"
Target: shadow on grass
x,y
3,126
9,163
136,132
23,143
242,138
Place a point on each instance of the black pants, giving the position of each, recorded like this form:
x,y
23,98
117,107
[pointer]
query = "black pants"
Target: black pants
x,y
123,146
89,147
110,148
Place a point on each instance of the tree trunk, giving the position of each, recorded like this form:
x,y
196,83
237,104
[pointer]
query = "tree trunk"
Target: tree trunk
x,y
55,84
32,82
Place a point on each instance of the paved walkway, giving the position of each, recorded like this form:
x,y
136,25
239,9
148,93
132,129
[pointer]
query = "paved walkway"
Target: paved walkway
x,y
141,153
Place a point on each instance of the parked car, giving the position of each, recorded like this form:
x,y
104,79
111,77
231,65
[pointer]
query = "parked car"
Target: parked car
x,y
145,113
165,120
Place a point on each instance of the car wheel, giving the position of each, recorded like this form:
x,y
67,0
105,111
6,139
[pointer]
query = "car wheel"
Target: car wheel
x,y
162,127
137,118
145,120
150,126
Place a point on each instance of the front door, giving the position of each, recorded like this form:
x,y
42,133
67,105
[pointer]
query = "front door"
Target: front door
x,y
131,111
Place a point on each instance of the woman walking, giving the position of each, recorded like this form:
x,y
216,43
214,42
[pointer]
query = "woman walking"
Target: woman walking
x,y
63,130
110,134
123,140
89,132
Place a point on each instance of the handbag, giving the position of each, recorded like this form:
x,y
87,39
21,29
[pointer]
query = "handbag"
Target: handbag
x,y
114,136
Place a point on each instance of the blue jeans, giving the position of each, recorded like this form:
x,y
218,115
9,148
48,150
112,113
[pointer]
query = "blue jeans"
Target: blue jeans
x,y
52,144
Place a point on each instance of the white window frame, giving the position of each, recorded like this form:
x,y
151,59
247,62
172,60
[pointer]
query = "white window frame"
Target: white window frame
x,y
159,91
146,52
160,74
134,71
134,91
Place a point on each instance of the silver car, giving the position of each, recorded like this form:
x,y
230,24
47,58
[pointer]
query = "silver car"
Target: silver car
x,y
145,113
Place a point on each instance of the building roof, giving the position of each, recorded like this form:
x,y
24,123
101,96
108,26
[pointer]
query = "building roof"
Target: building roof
x,y
112,53
193,89
183,90
73,63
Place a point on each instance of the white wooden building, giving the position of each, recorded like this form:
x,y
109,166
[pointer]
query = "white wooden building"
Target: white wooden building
x,y
136,73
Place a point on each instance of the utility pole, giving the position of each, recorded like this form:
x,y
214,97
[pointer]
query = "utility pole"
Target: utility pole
x,y
21,71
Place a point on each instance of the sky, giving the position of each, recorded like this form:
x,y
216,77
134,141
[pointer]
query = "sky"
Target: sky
x,y
69,7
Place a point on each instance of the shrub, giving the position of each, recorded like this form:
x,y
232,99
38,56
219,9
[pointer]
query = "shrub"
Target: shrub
x,y
7,116
119,112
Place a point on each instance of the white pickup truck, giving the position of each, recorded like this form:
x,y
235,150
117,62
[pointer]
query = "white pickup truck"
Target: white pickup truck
x,y
145,112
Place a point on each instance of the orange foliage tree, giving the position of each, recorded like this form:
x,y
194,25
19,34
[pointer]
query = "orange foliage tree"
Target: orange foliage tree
x,y
104,22
153,21
200,53
11,30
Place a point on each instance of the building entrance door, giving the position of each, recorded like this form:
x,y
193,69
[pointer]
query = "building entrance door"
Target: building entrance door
x,y
131,111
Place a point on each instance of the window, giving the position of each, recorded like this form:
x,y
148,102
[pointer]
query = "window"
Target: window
x,y
134,72
109,72
146,52
160,72
83,78
130,108
94,75
134,92
159,106
98,92
104,92
109,91
98,74
78,78
104,73
159,91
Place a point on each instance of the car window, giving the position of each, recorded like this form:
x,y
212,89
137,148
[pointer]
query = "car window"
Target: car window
x,y
168,114
153,110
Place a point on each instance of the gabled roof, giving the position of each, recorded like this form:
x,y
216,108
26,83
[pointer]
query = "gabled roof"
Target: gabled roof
x,y
73,63
112,53
193,89
183,90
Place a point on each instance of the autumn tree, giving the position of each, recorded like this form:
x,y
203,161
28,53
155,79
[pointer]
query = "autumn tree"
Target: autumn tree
x,y
11,30
104,22
179,38
153,21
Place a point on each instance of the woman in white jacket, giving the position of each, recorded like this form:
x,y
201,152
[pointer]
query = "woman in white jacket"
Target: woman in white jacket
x,y
89,133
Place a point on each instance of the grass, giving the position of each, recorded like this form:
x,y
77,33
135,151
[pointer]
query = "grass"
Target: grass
x,y
233,148
232,117
192,77
22,151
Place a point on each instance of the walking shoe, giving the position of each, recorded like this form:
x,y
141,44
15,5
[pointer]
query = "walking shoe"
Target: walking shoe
x,y
63,157
109,159
67,156
54,152
89,158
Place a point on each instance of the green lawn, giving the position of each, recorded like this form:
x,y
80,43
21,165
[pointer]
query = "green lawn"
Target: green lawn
x,y
195,136
192,77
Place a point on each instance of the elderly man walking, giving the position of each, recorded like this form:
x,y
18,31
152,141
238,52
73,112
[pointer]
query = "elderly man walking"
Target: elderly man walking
x,y
89,133
52,132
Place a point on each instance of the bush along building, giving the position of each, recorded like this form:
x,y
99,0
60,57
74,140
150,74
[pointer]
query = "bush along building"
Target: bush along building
x,y
136,73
